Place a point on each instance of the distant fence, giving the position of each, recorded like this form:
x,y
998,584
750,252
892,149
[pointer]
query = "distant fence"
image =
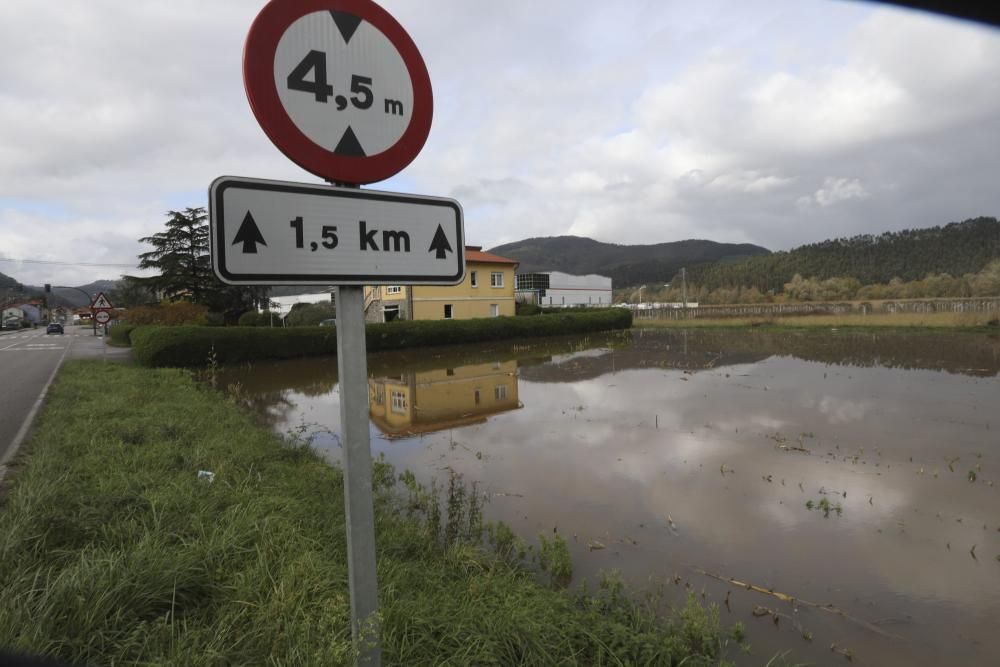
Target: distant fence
x,y
977,305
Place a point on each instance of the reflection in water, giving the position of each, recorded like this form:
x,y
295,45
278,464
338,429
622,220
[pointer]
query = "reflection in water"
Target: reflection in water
x,y
697,451
422,402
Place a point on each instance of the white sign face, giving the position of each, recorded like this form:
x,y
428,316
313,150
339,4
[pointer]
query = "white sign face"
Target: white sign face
x,y
101,302
343,83
102,317
278,233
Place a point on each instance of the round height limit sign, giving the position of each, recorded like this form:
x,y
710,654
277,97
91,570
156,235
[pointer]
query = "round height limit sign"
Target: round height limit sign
x,y
339,87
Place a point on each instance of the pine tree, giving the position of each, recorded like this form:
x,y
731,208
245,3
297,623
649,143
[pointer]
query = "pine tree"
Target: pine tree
x,y
181,256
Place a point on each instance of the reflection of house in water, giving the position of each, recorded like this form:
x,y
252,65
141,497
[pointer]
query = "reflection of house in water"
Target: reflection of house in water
x,y
427,401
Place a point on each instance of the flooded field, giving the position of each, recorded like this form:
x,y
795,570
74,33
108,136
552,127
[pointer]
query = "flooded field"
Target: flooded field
x,y
856,473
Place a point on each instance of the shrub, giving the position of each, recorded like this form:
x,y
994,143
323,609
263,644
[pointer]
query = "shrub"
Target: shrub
x,y
190,346
121,334
527,309
252,318
171,314
310,314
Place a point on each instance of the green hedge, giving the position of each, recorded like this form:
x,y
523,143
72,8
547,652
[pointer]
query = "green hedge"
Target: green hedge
x,y
121,334
191,346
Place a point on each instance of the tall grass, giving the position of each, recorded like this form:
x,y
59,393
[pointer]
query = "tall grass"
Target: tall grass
x,y
113,550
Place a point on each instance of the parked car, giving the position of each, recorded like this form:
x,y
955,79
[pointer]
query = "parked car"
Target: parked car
x,y
329,323
55,327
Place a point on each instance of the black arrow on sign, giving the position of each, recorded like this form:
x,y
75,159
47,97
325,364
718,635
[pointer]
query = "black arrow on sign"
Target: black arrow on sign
x,y
249,235
440,244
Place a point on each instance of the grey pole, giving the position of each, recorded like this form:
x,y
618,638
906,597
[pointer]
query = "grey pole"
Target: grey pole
x,y
357,463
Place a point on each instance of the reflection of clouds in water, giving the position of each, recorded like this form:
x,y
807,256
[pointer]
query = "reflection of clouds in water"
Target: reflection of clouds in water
x,y
602,470
844,410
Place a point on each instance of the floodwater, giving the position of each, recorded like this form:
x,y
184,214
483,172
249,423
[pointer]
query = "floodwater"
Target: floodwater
x,y
691,457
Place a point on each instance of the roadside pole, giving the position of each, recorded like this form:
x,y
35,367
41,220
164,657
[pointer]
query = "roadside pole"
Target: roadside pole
x,y
355,441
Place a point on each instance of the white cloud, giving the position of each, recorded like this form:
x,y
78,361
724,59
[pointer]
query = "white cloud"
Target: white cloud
x,y
835,190
632,123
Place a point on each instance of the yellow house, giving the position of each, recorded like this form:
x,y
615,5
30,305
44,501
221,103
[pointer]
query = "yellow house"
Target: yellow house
x,y
486,291
429,401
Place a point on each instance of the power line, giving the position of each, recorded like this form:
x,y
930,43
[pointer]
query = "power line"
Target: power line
x,y
45,261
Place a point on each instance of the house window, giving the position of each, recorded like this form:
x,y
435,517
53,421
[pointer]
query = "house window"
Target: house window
x,y
500,392
447,311
398,402
494,310
393,289
496,279
476,394
473,279
449,371
590,299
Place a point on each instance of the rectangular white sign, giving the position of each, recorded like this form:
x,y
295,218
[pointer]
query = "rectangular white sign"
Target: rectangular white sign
x,y
279,233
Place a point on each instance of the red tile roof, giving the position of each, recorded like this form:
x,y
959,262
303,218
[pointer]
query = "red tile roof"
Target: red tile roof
x,y
474,253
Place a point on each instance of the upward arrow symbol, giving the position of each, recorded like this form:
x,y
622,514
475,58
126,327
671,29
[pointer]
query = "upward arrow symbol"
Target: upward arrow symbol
x,y
440,244
249,235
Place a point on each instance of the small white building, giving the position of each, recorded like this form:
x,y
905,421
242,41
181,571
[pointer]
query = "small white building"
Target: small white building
x,y
562,290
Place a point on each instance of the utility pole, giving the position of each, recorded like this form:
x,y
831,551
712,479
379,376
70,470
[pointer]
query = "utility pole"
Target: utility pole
x,y
684,289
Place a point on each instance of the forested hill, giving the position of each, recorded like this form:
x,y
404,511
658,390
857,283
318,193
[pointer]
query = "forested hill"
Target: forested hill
x,y
957,248
625,264
7,281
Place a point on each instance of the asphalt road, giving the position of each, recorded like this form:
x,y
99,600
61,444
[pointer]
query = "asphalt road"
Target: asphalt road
x,y
28,360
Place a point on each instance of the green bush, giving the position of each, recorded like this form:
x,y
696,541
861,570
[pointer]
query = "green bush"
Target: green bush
x,y
190,346
310,314
121,334
527,309
252,318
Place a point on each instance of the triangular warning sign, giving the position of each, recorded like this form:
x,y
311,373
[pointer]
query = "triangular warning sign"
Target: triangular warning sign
x,y
101,302
349,145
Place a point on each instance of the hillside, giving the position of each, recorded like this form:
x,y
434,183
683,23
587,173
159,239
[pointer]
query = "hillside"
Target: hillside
x,y
957,248
625,264
6,282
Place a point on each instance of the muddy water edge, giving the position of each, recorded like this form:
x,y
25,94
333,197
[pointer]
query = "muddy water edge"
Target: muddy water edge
x,y
837,492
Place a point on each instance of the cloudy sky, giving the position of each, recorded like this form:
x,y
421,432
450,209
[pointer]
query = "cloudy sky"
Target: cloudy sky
x,y
777,123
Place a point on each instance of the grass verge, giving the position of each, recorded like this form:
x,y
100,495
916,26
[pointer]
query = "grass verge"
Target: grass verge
x,y
958,321
113,551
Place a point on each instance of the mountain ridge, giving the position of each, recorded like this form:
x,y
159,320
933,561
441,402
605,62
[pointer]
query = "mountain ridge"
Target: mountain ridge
x,y
624,264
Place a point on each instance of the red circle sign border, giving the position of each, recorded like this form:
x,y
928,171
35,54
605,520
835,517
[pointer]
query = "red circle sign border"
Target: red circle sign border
x,y
258,79
102,312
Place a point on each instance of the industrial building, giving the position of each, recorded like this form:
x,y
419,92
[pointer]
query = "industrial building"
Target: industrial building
x,y
562,290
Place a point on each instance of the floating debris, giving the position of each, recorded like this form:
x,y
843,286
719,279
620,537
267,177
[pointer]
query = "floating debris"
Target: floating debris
x,y
596,545
830,608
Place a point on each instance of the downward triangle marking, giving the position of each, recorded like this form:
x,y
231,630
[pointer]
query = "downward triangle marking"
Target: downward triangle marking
x,y
349,145
346,23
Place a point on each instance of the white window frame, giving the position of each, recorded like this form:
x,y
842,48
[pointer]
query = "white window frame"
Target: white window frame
x,y
496,279
500,392
393,289
449,311
473,279
398,401
494,310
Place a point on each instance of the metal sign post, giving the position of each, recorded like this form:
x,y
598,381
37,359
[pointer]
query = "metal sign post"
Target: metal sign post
x,y
355,441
